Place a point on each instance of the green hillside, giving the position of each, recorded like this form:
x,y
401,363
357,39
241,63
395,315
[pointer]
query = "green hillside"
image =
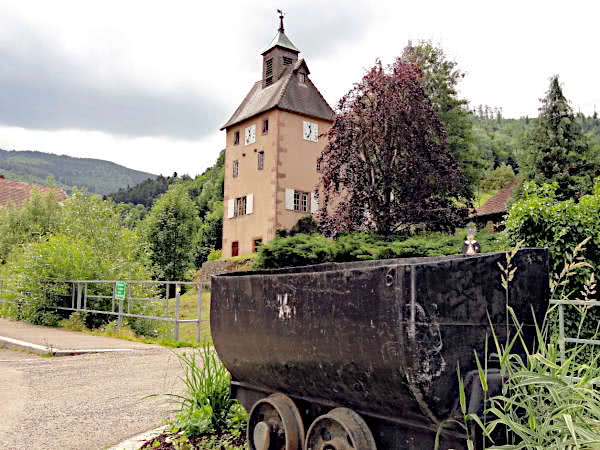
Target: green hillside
x,y
96,175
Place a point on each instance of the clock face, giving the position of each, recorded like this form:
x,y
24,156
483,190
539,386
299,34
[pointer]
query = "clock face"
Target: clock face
x,y
310,131
250,135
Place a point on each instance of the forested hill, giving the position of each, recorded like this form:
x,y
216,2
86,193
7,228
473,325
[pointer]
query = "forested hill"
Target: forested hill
x,y
96,175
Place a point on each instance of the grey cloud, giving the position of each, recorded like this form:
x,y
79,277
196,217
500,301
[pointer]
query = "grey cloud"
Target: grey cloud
x,y
42,89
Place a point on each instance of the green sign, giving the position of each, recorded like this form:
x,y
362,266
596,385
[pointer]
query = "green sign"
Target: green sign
x,y
120,290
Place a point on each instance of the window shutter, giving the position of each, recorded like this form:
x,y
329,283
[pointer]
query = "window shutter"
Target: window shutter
x,y
249,203
230,206
289,199
314,202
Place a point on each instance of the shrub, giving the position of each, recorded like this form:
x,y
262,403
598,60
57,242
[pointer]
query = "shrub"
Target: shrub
x,y
298,250
305,249
498,178
215,255
539,219
40,269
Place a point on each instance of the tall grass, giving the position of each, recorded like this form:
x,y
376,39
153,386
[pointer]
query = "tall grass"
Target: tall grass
x,y
545,402
205,406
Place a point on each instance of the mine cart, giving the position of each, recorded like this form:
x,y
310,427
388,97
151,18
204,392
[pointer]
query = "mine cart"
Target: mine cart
x,y
363,355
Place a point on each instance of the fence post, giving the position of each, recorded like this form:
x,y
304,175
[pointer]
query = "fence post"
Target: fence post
x,y
120,321
177,304
78,296
114,293
199,311
561,331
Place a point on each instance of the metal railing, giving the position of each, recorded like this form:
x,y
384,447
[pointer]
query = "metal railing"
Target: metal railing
x,y
87,296
562,338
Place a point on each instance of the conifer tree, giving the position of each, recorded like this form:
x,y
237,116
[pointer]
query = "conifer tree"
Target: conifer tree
x,y
557,149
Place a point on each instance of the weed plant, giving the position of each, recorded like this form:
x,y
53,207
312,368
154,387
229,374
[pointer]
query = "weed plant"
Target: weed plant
x,y
547,401
205,406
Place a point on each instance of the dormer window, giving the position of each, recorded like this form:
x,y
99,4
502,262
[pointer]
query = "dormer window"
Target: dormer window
x,y
302,77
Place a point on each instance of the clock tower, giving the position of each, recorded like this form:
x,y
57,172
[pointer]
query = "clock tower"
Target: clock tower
x,y
273,141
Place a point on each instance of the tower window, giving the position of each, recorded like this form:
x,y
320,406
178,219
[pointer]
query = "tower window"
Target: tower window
x,y
287,61
240,206
301,201
236,138
235,248
269,81
236,168
269,68
261,160
266,126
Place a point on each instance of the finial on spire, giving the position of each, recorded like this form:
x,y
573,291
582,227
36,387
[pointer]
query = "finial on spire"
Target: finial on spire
x,y
280,20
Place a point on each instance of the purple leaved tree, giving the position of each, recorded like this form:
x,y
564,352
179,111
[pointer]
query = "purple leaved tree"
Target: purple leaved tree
x,y
386,165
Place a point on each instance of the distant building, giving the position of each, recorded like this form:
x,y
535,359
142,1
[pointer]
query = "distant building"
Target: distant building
x,y
273,141
18,193
492,212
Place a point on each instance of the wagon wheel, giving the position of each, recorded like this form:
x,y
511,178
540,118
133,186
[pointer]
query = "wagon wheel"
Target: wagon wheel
x,y
274,423
340,429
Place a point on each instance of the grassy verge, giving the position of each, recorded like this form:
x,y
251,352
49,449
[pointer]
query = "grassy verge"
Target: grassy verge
x,y
165,330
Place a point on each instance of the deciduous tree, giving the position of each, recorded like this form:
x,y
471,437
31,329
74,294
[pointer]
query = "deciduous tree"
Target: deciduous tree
x,y
386,163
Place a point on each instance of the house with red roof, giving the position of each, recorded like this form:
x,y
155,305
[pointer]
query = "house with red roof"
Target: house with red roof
x,y
492,212
17,192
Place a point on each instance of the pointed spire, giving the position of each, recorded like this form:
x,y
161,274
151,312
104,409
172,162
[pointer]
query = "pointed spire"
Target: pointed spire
x,y
280,39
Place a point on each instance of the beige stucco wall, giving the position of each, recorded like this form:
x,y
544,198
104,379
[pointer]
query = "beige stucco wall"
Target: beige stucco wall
x,y
290,162
297,166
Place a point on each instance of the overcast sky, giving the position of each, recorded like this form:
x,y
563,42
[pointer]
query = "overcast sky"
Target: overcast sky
x,y
148,84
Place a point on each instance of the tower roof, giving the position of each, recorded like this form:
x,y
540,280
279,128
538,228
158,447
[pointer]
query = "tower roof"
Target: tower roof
x,y
280,39
285,94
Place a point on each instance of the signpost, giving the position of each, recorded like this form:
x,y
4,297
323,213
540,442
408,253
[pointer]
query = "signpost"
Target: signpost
x,y
120,287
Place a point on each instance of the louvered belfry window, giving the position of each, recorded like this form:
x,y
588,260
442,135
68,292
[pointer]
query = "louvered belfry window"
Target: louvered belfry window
x,y
287,61
269,71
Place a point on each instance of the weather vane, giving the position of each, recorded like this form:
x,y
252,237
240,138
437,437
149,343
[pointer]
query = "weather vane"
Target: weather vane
x,y
281,15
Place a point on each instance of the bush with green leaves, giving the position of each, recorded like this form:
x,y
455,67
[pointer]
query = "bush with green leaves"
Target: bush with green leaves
x,y
497,178
39,217
89,244
307,249
540,219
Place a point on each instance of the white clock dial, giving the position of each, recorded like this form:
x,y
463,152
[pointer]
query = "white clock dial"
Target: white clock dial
x,y
250,135
307,130
314,136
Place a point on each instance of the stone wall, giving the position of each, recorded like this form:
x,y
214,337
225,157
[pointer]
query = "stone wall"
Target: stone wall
x,y
210,268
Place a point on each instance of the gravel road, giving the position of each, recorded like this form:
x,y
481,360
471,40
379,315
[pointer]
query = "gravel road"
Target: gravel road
x,y
90,401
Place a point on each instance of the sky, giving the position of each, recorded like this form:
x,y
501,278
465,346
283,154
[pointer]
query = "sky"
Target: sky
x,y
147,84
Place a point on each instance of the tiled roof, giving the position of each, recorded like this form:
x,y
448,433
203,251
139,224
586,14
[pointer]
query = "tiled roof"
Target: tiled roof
x,y
497,203
284,94
18,193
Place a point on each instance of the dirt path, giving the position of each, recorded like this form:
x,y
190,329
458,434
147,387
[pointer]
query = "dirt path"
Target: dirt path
x,y
89,401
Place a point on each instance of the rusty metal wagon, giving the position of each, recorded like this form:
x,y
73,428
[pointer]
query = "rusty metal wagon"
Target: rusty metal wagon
x,y
364,355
